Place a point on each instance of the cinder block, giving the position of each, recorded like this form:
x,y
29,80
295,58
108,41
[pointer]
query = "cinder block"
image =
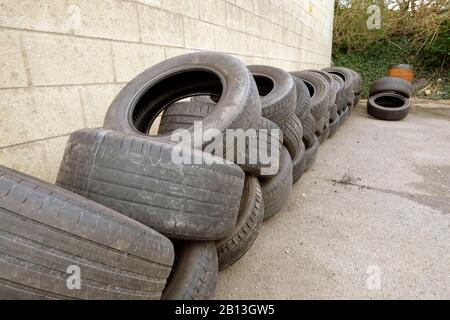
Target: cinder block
x,y
245,4
52,16
28,158
235,17
161,27
38,113
54,150
173,52
253,24
184,7
111,19
58,60
198,34
96,100
153,3
224,39
261,8
212,11
12,68
131,59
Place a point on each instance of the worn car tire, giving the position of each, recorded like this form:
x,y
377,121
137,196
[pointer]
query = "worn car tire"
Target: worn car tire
x,y
139,103
344,115
311,154
249,222
319,90
292,135
303,98
347,76
299,164
276,190
388,84
45,229
278,93
334,127
309,130
325,134
138,177
195,271
341,100
388,106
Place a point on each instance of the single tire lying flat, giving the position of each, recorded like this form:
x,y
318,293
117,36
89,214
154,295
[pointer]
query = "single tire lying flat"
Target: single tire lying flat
x,y
278,93
195,272
276,190
388,106
139,178
249,222
45,231
393,84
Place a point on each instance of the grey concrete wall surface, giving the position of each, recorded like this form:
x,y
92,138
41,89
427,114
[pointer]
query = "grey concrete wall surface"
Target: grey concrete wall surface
x,y
63,61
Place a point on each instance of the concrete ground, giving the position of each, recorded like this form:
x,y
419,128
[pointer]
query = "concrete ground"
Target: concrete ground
x,y
370,220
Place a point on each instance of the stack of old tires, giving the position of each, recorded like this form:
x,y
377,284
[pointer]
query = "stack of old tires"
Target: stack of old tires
x,y
389,98
140,223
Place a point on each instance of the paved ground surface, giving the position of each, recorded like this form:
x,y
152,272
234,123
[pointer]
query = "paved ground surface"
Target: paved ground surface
x,y
377,199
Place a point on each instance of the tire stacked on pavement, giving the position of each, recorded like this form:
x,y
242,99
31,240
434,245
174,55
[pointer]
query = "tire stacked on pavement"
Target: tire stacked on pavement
x,y
209,202
389,98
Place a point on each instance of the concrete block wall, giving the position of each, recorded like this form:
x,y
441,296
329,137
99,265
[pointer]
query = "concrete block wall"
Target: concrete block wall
x,y
63,61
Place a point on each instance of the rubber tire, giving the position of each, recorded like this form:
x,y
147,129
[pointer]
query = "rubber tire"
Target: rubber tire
x,y
393,84
341,100
299,164
278,93
311,154
136,177
276,190
347,76
388,113
320,95
182,115
344,116
195,272
293,135
303,98
325,134
45,229
249,222
139,103
309,130
334,127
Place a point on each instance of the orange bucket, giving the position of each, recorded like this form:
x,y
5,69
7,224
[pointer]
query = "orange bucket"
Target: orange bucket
x,y
402,71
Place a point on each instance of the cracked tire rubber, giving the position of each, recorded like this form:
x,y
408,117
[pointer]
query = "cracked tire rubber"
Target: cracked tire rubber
x,y
311,154
195,272
45,229
137,177
293,135
182,115
334,127
393,84
249,222
388,106
276,190
139,103
299,164
319,90
278,93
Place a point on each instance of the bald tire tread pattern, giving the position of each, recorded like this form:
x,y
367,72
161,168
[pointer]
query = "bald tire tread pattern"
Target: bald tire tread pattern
x,y
249,222
45,229
299,164
276,190
311,154
309,130
137,177
293,135
195,272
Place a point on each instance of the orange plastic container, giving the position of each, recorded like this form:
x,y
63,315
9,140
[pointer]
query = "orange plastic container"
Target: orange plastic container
x,y
402,71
